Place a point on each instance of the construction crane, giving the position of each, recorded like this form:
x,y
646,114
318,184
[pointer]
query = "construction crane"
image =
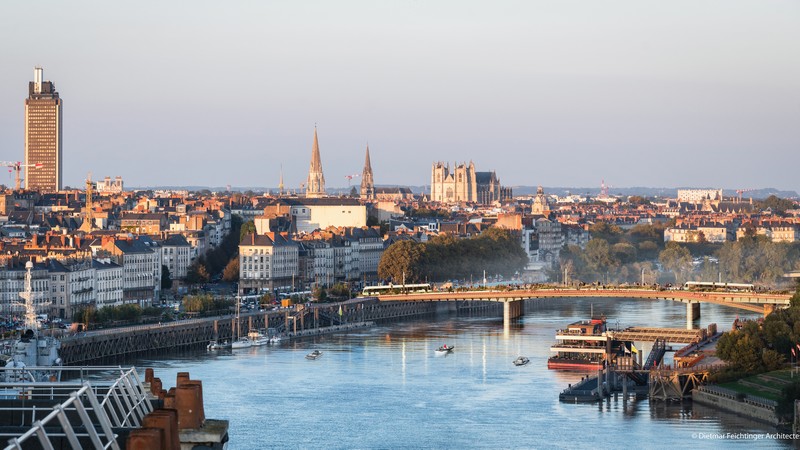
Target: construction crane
x,y
350,178
17,166
742,191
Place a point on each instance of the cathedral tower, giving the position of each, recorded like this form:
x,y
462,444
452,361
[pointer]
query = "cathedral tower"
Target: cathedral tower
x,y
367,183
315,186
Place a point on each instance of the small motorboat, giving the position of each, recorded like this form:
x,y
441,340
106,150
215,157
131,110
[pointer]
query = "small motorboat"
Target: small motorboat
x,y
521,361
314,355
218,345
444,350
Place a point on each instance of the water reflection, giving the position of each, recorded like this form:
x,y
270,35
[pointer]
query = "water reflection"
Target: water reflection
x,y
385,388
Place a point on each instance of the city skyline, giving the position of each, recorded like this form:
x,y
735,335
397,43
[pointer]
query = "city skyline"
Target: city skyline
x,y
554,95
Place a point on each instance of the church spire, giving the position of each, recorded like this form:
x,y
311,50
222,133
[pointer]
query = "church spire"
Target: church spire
x,y
367,183
316,180
280,183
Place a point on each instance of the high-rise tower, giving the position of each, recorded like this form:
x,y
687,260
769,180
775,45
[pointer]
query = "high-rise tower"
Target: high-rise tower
x,y
315,187
367,183
43,135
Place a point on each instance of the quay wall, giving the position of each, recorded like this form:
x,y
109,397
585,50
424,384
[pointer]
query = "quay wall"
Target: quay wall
x,y
117,344
755,408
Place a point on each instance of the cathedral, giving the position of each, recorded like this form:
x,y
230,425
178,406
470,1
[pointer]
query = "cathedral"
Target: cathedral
x,y
464,184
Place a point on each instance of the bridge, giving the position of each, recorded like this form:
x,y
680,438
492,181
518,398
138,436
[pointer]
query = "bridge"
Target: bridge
x,y
512,299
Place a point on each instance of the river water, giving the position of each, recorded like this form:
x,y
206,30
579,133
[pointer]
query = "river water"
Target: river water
x,y
385,388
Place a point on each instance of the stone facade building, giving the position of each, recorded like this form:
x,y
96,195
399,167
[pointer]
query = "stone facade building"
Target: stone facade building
x,y
464,184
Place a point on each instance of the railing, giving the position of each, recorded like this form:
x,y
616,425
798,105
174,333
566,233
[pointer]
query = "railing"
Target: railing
x,y
656,354
739,396
88,412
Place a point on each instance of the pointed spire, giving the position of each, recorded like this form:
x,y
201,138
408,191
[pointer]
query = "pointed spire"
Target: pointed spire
x,y
316,180
367,183
316,161
280,183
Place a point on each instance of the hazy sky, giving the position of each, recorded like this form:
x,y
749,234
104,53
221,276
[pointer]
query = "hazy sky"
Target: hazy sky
x,y
557,92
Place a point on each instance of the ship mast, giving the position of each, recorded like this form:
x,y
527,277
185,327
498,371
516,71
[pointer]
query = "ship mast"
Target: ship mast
x,y
27,295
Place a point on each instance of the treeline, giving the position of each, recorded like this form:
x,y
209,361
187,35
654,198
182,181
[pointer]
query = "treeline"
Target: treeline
x,y
205,304
445,257
763,347
617,256
122,313
614,255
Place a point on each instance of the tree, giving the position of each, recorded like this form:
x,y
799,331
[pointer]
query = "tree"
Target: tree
x,y
197,273
677,260
248,227
598,256
166,278
231,272
401,262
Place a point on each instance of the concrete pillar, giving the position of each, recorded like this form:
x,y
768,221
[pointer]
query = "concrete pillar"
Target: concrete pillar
x,y
692,314
600,381
768,309
624,389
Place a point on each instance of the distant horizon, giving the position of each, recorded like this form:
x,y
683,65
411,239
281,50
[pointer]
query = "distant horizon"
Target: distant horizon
x,y
577,190
543,93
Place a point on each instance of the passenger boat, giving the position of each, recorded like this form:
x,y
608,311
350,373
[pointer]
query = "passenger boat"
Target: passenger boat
x,y
257,338
314,355
521,361
582,346
444,350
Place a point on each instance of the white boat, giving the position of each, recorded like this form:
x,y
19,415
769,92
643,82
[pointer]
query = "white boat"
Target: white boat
x,y
34,356
275,339
258,338
521,361
218,345
242,342
314,355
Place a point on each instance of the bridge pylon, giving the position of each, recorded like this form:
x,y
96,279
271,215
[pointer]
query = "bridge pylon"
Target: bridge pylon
x,y
512,309
692,313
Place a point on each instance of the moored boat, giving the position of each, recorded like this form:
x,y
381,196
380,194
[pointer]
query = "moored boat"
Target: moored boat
x,y
257,338
34,356
242,342
218,345
582,346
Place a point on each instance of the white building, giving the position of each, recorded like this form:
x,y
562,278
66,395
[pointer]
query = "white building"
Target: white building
x,y
697,196
266,262
109,283
176,255
107,186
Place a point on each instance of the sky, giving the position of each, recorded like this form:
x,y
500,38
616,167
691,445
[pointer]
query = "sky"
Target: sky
x,y
554,93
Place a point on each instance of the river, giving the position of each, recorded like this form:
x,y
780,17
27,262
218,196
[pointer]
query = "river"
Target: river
x,y
384,387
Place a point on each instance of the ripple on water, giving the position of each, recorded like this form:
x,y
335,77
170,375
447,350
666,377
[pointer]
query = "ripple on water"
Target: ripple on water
x,y
385,388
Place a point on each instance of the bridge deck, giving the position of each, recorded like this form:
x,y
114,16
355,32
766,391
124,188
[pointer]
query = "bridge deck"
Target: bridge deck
x,y
750,301
650,334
